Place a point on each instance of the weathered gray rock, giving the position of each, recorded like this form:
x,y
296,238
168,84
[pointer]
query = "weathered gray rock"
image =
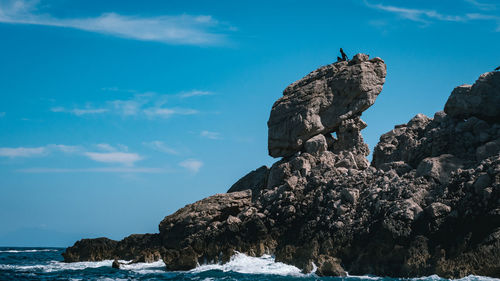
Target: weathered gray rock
x,y
481,100
437,209
255,181
322,100
316,145
440,167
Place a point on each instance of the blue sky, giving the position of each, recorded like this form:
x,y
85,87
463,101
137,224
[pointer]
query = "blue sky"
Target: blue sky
x,y
116,113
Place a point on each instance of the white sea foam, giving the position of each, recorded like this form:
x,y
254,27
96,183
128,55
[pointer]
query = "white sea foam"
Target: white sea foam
x,y
57,266
54,266
28,251
363,277
242,263
477,278
145,268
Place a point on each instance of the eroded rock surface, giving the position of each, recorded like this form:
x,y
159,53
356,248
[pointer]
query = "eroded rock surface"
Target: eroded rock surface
x,y
322,100
429,203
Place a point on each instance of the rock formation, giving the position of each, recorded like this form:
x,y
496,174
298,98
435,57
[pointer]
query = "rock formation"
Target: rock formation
x,y
428,203
321,101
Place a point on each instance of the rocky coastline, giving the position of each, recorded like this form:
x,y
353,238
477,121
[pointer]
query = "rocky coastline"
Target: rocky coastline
x,y
428,203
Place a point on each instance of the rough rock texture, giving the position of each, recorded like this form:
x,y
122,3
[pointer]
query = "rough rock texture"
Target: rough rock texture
x,y
136,247
322,100
466,100
254,180
429,203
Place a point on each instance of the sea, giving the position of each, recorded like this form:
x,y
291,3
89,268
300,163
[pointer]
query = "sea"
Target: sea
x,y
47,264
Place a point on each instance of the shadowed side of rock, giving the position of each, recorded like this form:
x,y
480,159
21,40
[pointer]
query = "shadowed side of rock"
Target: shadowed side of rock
x,y
136,248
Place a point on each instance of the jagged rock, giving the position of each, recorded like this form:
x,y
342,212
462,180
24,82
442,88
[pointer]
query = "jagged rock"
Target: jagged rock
x,y
437,209
97,249
439,168
255,181
136,247
488,149
481,100
316,145
429,204
322,100
115,264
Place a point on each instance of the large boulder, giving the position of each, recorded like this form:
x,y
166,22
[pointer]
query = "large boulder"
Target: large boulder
x,y
481,99
322,100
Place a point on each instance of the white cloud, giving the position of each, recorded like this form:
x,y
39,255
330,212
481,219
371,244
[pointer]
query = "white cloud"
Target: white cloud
x,y
143,170
159,112
160,146
127,107
195,93
168,112
127,159
14,152
419,15
79,111
427,16
210,135
172,29
481,5
106,147
191,165
65,148
149,105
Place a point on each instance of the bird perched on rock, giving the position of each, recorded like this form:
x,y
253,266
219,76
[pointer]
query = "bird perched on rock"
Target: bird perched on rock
x,y
344,56
496,69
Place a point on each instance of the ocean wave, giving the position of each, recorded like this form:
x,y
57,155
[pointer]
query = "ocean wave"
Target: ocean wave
x,y
242,263
28,251
54,266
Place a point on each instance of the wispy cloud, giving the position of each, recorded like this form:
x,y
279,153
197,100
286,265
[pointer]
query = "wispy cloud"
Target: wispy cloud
x,y
149,105
210,135
168,112
418,15
170,29
142,170
14,152
481,5
427,16
124,158
161,146
2,114
191,165
79,111
27,152
194,93
65,148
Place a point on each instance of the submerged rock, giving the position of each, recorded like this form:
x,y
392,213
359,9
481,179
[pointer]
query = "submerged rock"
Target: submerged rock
x,y
429,202
115,264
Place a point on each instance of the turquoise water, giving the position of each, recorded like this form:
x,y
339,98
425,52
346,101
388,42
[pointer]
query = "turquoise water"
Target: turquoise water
x,y
46,264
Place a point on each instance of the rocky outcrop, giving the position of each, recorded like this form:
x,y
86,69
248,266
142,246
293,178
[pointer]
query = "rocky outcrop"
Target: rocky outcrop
x,y
136,248
322,100
428,203
476,100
